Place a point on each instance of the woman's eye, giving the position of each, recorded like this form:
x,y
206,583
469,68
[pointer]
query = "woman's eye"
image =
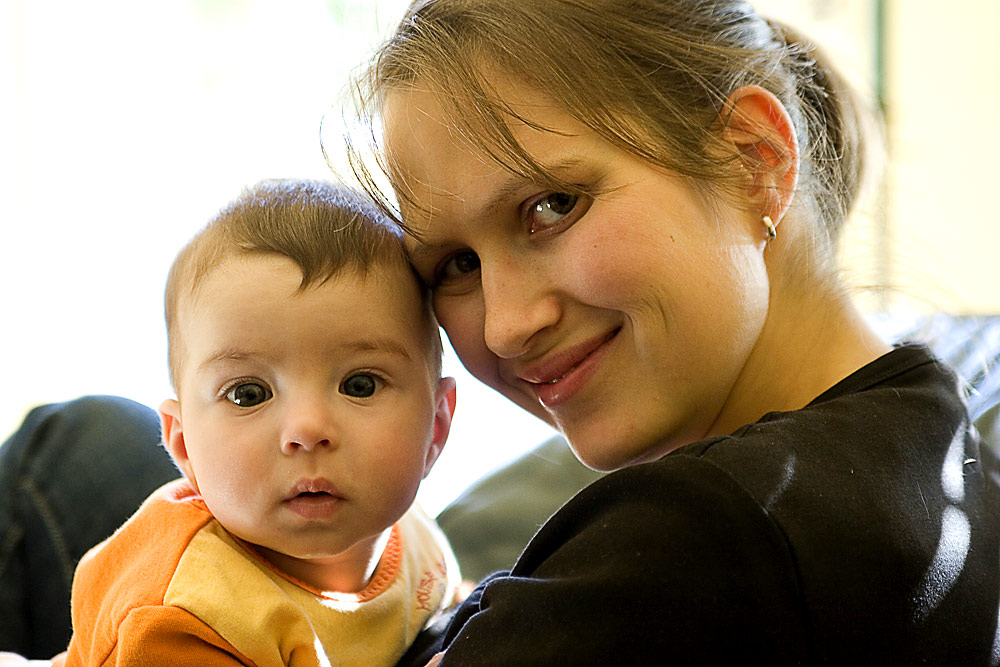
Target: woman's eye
x,y
248,394
361,385
550,210
458,265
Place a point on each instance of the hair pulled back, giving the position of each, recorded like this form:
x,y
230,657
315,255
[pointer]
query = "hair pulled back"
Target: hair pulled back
x,y
650,76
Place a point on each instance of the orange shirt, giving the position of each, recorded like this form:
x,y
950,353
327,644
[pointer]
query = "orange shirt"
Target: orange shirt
x,y
172,587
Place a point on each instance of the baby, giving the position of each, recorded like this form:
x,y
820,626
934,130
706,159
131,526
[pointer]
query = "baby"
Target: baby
x,y
310,405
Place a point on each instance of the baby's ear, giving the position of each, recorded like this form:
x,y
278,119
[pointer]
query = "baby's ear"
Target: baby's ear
x,y
444,410
173,436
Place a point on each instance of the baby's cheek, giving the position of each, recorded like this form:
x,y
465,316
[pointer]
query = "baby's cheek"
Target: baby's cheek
x,y
398,475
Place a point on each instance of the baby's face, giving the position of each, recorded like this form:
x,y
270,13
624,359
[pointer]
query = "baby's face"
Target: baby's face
x,y
308,419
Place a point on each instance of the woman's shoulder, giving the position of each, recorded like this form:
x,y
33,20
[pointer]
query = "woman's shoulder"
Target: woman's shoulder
x,y
867,468
883,426
859,528
884,430
870,508
648,562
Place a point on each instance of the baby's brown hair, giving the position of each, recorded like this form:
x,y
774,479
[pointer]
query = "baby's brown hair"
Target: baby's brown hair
x,y
323,227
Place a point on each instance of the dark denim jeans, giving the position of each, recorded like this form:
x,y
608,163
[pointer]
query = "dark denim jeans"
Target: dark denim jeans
x,y
69,476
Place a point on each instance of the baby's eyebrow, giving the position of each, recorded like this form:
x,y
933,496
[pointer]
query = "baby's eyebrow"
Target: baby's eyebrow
x,y
385,345
227,354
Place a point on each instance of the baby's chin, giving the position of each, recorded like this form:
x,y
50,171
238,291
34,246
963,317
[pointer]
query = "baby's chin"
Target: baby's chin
x,y
342,572
317,555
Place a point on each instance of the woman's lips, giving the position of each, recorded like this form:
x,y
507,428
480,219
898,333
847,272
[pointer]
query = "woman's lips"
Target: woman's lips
x,y
563,374
314,499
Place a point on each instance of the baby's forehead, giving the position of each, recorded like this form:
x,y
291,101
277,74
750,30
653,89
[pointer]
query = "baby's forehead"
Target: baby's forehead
x,y
252,288
260,303
393,272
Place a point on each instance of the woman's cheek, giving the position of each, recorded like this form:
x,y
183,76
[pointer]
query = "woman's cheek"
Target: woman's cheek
x,y
608,277
464,323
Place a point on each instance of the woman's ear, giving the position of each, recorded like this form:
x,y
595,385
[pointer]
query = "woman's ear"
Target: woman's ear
x,y
444,410
759,128
173,436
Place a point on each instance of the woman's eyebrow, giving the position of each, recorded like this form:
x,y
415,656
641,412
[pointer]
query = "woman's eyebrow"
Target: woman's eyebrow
x,y
422,251
514,183
509,187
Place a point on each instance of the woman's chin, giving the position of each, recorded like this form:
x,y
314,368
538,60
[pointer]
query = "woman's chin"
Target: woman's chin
x,y
605,453
597,457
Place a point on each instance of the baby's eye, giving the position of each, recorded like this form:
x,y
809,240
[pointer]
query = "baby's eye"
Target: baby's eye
x,y
551,210
248,394
360,385
458,265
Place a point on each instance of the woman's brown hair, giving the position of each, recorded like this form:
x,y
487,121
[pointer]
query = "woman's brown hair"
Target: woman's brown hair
x,y
650,76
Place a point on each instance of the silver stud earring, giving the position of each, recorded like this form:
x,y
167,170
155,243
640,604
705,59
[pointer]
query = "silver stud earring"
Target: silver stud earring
x,y
772,232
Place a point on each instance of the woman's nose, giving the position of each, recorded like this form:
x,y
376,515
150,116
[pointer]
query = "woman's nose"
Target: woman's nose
x,y
518,304
308,426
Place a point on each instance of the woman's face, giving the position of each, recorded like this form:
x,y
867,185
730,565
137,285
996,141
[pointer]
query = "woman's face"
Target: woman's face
x,y
624,318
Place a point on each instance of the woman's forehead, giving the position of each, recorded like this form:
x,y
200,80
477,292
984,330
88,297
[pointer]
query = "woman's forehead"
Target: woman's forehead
x,y
514,110
433,155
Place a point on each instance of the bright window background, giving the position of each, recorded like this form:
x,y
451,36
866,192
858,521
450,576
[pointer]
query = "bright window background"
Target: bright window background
x,y
125,124
929,240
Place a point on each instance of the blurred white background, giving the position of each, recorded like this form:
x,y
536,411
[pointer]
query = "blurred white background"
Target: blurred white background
x,y
127,123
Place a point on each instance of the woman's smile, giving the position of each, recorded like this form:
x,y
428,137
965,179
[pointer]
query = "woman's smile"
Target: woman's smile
x,y
558,377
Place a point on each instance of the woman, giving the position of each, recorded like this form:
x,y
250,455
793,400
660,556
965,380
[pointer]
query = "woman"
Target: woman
x,y
627,213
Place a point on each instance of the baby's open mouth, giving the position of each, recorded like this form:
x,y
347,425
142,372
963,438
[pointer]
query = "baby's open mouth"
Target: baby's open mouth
x,y
314,499
318,488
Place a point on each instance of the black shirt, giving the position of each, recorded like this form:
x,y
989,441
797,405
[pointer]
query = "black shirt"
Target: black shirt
x,y
861,529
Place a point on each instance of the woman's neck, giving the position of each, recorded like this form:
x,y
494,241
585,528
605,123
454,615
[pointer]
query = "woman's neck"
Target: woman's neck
x,y
812,339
